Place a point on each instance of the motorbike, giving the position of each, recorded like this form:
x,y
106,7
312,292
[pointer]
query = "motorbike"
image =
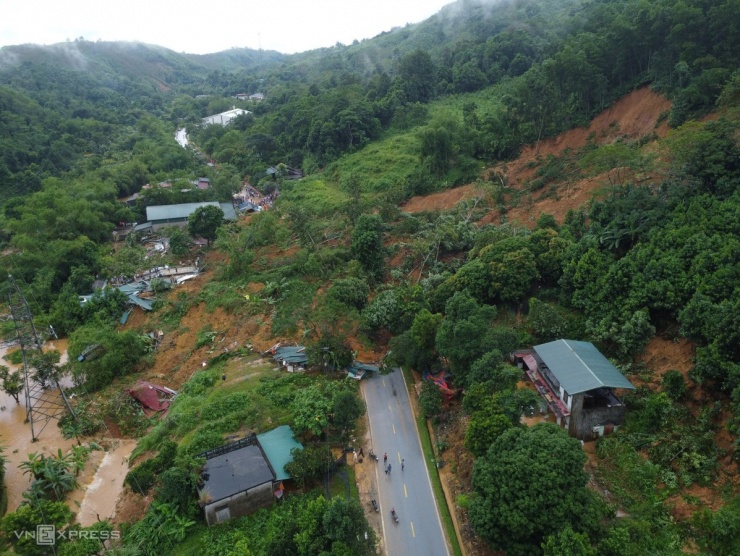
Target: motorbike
x,y
394,514
373,456
375,505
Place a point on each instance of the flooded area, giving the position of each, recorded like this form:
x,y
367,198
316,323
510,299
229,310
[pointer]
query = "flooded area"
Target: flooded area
x,y
100,483
97,500
15,437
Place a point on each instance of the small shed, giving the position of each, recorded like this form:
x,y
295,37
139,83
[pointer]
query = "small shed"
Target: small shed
x,y
358,370
293,358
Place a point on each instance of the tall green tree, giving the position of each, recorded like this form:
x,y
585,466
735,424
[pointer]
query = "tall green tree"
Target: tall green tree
x,y
347,407
465,333
417,76
205,221
12,382
367,245
530,485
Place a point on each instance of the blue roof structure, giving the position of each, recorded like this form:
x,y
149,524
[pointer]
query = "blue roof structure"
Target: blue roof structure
x,y
166,213
580,367
291,354
277,445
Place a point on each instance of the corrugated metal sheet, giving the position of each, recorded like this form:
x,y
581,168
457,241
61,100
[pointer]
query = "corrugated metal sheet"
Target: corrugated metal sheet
x,y
183,210
277,445
580,367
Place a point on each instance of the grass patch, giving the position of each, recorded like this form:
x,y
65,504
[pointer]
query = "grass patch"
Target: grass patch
x,y
338,485
382,165
208,408
426,446
314,192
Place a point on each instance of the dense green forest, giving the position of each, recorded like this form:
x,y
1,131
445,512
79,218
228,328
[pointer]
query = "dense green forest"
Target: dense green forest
x,y
413,111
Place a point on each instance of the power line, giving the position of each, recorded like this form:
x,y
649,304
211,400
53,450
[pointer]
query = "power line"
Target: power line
x,y
43,403
36,342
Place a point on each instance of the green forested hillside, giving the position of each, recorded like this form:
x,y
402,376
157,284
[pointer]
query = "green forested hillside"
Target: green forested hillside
x,y
337,264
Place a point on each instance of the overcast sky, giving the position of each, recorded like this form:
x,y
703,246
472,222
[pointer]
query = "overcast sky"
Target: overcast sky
x,y
288,26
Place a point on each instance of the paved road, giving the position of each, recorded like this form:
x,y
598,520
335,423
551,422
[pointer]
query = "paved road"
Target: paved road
x,y
393,431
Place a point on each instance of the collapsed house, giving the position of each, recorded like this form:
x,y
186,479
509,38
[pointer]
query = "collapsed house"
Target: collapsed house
x,y
358,370
244,476
153,398
439,379
578,383
291,358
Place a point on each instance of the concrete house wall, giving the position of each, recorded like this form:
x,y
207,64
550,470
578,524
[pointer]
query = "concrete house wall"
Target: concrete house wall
x,y
584,421
239,504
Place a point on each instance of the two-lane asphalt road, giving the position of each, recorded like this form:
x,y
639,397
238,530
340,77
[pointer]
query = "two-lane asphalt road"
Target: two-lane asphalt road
x,y
419,530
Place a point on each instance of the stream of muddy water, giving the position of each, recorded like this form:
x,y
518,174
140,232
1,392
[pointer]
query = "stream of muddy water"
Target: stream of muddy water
x,y
100,483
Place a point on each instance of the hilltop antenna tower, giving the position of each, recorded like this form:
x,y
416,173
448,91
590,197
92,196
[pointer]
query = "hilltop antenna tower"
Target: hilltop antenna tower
x,y
45,398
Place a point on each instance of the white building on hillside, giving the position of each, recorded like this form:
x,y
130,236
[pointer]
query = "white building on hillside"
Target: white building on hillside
x,y
224,117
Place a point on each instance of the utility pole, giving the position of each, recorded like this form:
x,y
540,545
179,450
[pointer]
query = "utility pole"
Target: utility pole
x,y
45,398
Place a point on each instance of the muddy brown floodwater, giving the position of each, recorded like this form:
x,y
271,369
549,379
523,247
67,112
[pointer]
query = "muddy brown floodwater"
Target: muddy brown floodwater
x,y
100,483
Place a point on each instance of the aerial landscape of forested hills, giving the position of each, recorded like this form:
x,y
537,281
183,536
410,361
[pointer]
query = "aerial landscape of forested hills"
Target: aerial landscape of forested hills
x,y
499,176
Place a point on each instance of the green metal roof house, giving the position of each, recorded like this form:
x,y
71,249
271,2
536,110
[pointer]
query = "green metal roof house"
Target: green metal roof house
x,y
243,476
578,383
277,445
177,215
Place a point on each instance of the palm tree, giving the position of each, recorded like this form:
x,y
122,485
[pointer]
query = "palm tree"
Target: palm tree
x,y
79,455
34,465
57,479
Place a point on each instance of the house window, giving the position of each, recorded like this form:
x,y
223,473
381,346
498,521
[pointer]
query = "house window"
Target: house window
x,y
565,397
222,514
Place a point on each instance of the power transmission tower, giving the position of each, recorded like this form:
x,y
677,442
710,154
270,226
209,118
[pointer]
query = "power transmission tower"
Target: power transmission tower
x,y
45,398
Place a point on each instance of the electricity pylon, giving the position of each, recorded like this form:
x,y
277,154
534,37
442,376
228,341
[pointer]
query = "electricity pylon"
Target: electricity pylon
x,y
45,398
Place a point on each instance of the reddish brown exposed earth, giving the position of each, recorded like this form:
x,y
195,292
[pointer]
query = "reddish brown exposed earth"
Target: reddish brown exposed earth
x,y
636,115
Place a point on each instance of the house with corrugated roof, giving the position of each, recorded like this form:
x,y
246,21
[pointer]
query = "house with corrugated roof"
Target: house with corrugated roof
x,y
224,118
244,476
579,384
177,215
292,358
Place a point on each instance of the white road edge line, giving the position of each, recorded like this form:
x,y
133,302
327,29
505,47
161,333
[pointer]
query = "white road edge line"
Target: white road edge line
x,y
377,478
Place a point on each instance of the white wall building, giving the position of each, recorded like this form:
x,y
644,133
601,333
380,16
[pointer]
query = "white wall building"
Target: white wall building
x,y
224,117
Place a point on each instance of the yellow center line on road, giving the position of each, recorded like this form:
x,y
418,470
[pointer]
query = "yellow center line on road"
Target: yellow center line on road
x,y
413,533
394,428
405,493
